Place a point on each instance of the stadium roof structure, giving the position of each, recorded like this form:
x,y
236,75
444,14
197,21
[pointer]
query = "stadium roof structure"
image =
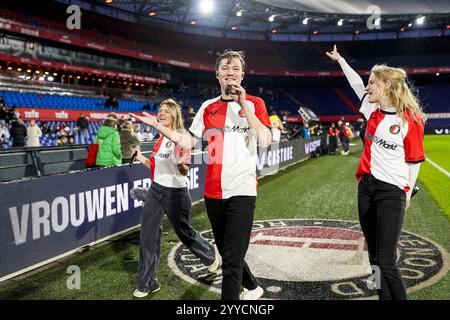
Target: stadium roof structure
x,y
286,16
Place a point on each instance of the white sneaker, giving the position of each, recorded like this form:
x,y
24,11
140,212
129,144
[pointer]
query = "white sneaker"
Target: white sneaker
x,y
254,294
216,264
140,294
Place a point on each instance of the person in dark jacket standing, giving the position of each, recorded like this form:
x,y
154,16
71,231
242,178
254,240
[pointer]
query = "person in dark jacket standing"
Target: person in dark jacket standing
x,y
128,141
18,133
334,133
83,123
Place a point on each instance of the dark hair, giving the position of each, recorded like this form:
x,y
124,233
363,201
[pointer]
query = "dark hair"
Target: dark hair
x,y
230,54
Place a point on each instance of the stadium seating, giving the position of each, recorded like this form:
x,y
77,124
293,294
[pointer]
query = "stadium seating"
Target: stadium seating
x,y
48,140
34,100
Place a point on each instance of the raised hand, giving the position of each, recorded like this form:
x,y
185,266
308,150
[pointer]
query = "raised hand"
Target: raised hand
x,y
148,119
334,55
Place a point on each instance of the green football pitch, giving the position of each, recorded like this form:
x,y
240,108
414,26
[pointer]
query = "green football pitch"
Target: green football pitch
x,y
320,188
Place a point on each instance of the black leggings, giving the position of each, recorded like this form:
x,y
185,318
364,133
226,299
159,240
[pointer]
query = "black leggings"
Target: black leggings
x,y
381,208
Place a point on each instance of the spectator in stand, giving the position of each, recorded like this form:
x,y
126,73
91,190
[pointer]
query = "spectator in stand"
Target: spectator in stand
x,y
146,107
63,140
148,135
13,114
334,133
44,128
112,102
51,130
4,113
71,141
128,141
137,132
60,132
306,131
83,123
18,133
33,133
62,126
189,118
4,133
109,151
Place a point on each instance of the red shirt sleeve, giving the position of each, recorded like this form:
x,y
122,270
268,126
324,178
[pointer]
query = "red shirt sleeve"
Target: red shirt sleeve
x,y
261,112
413,142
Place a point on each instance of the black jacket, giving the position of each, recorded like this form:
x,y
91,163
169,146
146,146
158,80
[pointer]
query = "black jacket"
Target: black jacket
x,y
18,133
82,123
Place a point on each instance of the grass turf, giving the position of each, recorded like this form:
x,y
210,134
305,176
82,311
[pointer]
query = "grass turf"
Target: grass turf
x,y
318,188
437,148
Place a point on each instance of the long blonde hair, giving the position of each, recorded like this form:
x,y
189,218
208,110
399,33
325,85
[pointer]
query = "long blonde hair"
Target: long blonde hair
x,y
401,93
175,112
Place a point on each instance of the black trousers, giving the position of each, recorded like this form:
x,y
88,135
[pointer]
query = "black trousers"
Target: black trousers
x,y
176,204
381,209
231,221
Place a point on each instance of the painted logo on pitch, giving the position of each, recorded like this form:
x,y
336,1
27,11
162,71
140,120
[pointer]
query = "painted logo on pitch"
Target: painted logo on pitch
x,y
317,259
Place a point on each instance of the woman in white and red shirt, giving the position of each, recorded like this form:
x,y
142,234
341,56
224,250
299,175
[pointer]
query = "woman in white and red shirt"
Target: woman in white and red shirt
x,y
389,165
168,194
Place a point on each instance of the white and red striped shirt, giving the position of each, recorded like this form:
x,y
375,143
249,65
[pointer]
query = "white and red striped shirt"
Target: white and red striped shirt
x,y
390,145
232,148
163,164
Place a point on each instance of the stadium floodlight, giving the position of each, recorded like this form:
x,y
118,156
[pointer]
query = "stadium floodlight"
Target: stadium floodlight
x,y
305,21
239,13
206,6
410,24
340,22
420,20
41,78
271,18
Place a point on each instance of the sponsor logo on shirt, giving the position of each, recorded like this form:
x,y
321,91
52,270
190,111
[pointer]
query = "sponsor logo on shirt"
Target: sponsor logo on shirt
x,y
236,129
164,155
381,142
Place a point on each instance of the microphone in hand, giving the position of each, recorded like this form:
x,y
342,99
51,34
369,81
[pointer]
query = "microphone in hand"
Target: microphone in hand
x,y
133,157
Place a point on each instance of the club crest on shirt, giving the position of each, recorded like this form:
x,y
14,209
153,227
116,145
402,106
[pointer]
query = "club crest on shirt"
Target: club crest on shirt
x,y
241,113
168,144
394,129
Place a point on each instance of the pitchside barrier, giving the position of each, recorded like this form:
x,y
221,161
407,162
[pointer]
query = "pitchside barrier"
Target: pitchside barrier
x,y
46,218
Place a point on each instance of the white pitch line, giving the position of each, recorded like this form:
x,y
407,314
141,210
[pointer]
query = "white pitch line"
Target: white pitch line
x,y
438,167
